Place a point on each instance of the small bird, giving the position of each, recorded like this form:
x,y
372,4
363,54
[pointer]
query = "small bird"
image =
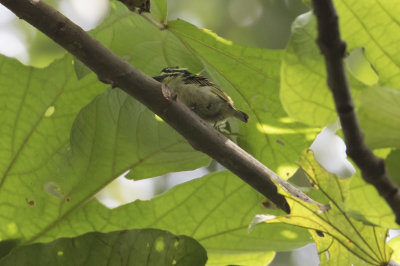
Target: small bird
x,y
202,96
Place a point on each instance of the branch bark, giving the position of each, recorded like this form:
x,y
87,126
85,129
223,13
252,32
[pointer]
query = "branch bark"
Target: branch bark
x,y
113,70
372,168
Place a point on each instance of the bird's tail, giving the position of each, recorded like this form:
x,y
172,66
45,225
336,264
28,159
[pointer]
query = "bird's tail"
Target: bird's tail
x,y
241,116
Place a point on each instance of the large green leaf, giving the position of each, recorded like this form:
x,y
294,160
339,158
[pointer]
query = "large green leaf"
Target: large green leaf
x,y
304,93
133,247
114,134
37,111
251,77
342,238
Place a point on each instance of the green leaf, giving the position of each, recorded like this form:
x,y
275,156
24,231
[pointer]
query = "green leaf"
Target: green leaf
x,y
38,108
345,240
113,134
133,247
379,116
159,10
215,210
6,246
251,77
393,166
360,68
304,93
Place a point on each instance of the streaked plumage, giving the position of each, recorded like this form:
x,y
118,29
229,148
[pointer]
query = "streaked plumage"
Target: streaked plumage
x,y
202,96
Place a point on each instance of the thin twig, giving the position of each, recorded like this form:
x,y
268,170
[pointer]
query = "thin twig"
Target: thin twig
x,y
372,168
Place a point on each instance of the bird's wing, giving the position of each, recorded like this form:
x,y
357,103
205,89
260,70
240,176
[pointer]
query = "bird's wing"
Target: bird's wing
x,y
202,81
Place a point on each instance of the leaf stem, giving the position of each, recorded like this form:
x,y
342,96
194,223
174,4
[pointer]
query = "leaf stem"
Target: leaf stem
x,y
159,25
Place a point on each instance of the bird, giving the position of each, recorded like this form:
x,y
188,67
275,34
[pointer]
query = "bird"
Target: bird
x,y
201,95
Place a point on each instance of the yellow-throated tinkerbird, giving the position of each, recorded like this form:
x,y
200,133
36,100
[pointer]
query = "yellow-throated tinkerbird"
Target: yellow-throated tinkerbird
x,y
202,96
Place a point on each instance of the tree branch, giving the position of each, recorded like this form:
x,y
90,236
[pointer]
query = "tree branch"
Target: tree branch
x,y
113,70
372,168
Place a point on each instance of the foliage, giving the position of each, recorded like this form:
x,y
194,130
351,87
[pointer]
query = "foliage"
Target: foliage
x,y
63,139
133,247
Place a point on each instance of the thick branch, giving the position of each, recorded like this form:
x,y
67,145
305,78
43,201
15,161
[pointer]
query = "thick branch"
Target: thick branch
x,y
333,48
112,69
